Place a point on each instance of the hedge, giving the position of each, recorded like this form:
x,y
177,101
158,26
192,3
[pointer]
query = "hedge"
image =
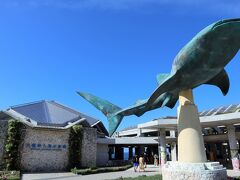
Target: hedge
x,y
144,177
100,170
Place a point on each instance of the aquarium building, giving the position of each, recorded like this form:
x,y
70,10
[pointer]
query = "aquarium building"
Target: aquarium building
x,y
43,140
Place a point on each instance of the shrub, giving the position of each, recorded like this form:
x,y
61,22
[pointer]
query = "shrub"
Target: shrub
x,y
10,175
100,170
12,154
144,177
75,142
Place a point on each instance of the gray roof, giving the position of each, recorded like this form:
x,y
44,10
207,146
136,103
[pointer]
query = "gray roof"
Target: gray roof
x,y
221,110
211,112
51,113
129,128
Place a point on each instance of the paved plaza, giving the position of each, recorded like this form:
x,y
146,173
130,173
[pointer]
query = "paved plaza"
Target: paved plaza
x,y
150,170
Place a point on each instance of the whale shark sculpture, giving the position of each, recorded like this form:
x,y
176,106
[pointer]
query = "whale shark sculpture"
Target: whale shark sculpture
x,y
201,61
115,114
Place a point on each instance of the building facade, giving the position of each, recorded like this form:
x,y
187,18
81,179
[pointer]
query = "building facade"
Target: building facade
x,y
45,136
220,129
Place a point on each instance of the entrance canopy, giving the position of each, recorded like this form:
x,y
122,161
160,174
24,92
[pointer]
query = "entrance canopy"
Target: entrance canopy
x,y
223,116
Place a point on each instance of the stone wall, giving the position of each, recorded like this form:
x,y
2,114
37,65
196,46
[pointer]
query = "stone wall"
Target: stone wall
x,y
102,154
3,136
44,150
89,148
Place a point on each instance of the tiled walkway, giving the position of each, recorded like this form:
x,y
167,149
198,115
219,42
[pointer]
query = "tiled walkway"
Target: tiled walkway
x,y
150,170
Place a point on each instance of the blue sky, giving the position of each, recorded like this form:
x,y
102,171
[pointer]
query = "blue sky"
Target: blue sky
x,y
111,48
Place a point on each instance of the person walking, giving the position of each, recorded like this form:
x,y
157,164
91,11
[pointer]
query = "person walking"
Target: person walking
x,y
141,163
135,163
155,160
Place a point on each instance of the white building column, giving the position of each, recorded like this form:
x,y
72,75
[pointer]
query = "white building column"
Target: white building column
x,y
234,147
173,146
162,146
139,132
173,134
174,151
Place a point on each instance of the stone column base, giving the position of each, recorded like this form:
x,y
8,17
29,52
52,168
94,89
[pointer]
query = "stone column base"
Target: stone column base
x,y
194,171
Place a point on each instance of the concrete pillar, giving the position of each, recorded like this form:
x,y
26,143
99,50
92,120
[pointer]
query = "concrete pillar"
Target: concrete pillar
x,y
118,153
172,134
162,146
213,152
174,151
130,150
110,152
137,151
234,147
173,146
190,140
141,150
139,133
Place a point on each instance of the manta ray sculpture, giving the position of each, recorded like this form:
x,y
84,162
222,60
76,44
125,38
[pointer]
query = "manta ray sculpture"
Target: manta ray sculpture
x,y
201,61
